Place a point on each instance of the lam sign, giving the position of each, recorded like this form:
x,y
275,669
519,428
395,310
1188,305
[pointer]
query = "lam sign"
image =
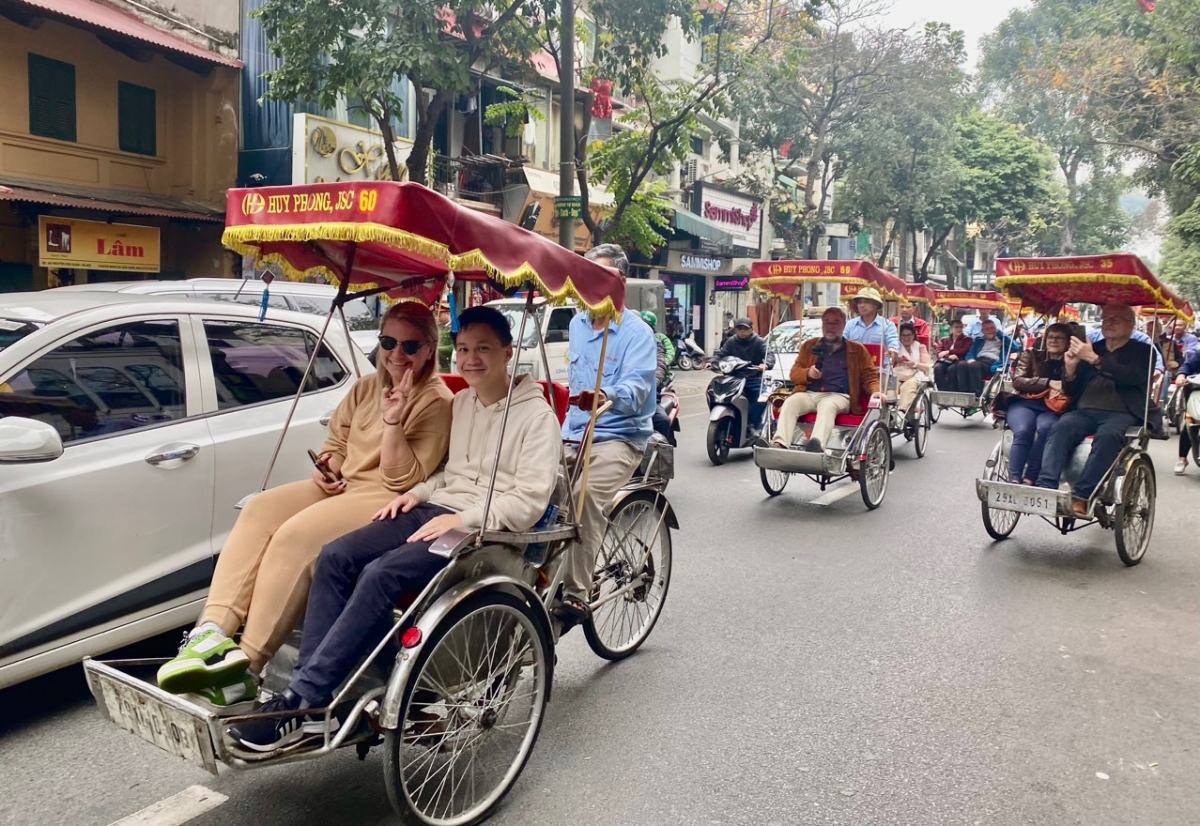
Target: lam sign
x,y
96,245
327,151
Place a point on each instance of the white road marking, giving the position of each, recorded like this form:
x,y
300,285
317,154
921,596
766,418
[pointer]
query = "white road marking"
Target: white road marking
x,y
175,810
836,494
694,415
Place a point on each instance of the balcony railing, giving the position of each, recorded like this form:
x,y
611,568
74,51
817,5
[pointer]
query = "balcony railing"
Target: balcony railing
x,y
472,178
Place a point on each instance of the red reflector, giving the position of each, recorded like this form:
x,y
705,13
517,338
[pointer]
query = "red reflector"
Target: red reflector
x,y
411,638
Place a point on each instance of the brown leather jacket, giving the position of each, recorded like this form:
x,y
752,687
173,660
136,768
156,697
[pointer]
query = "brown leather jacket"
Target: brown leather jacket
x,y
1032,373
860,367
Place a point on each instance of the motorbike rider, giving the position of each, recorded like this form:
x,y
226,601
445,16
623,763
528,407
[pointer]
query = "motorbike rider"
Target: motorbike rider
x,y
1189,367
663,374
747,345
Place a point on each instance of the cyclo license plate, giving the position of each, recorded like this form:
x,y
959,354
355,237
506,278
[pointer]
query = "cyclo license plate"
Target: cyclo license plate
x,y
1030,500
172,730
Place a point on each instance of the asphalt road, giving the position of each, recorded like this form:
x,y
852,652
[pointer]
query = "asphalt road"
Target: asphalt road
x,y
815,664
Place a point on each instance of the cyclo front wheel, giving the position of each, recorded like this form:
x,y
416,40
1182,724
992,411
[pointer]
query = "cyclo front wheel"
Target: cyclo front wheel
x,y
633,573
470,714
999,524
921,425
873,471
1134,517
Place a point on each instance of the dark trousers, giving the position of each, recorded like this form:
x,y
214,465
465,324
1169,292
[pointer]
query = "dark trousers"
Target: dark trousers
x,y
941,374
972,375
1185,441
1107,429
1030,422
355,586
753,391
662,424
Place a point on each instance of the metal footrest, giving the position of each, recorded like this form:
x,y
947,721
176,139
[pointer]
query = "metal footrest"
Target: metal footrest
x,y
798,461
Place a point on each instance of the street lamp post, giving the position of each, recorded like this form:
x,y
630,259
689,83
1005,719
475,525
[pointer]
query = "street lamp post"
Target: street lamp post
x,y
566,78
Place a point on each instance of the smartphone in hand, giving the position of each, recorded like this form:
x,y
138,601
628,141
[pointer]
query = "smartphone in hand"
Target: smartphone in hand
x,y
320,465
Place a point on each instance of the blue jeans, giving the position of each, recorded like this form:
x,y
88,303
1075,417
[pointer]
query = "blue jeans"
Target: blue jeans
x,y
1030,422
357,581
753,390
1107,429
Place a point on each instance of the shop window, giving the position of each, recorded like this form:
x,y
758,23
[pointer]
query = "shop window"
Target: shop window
x,y
51,98
109,381
137,125
255,362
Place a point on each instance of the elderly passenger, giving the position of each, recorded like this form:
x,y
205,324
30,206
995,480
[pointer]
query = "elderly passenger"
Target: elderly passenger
x,y
985,357
830,374
951,351
1037,376
1109,381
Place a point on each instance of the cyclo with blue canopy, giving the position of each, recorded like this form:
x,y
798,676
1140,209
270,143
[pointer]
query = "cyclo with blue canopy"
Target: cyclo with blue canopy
x,y
458,709
1124,499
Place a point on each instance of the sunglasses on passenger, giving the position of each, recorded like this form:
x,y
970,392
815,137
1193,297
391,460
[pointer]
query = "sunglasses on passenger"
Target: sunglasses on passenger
x,y
410,348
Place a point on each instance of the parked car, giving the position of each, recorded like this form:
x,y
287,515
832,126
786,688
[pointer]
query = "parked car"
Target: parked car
x,y
784,341
361,314
130,426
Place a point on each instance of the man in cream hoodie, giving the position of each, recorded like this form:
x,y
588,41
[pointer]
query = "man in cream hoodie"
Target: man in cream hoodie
x,y
359,577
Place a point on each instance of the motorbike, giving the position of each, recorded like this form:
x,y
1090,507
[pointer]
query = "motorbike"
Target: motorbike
x,y
729,423
688,354
668,407
1191,416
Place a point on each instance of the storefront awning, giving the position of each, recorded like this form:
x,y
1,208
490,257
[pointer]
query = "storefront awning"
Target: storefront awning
x,y
700,227
112,201
122,23
545,182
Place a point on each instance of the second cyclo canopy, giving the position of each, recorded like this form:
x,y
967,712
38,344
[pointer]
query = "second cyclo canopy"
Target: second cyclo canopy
x,y
780,278
405,238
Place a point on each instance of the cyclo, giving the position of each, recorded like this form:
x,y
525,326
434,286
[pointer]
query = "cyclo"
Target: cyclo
x,y
456,692
1125,497
966,404
861,445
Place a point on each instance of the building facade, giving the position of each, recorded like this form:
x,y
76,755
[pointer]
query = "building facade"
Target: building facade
x,y
117,143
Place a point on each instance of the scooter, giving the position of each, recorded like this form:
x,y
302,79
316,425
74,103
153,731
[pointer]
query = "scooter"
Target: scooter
x,y
1191,414
729,423
689,354
668,405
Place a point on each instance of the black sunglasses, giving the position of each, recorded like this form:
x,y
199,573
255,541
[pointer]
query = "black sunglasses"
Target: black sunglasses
x,y
410,348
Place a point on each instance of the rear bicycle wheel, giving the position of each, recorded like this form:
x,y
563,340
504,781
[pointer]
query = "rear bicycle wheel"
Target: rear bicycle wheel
x,y
633,573
921,425
998,523
773,481
1134,517
471,713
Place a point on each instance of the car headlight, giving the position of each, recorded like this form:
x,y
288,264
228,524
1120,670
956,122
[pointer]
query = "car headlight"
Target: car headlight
x,y
525,368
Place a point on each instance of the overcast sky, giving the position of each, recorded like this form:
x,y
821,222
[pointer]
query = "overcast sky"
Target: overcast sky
x,y
975,17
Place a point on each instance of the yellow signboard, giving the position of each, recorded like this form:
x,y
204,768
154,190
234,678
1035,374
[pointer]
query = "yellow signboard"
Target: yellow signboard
x,y
95,245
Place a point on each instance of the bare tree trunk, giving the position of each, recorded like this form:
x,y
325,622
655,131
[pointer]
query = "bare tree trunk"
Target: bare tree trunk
x,y
1070,219
932,249
389,141
887,246
427,120
903,256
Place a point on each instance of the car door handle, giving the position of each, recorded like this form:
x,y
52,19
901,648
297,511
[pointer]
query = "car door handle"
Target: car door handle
x,y
180,453
326,419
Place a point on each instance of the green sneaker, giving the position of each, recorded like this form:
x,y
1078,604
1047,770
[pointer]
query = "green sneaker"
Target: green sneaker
x,y
207,660
232,699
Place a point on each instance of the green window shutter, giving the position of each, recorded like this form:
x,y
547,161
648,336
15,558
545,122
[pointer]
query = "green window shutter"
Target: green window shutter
x,y
137,121
51,98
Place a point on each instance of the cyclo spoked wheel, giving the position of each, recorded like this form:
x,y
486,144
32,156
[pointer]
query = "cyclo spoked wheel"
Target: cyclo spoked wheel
x,y
634,559
873,473
718,441
471,713
999,524
773,481
1135,514
921,425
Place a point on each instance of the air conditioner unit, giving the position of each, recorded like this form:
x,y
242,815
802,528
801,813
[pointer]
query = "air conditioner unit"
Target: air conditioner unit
x,y
691,172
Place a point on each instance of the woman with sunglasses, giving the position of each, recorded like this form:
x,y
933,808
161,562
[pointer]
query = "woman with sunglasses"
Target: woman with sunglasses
x,y
1037,376
389,434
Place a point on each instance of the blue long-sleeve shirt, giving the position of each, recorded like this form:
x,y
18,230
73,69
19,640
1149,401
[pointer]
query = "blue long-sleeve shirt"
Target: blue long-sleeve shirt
x,y
879,331
1137,335
628,382
1007,347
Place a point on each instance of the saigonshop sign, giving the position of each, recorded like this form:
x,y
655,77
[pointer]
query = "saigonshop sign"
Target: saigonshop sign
x,y
737,213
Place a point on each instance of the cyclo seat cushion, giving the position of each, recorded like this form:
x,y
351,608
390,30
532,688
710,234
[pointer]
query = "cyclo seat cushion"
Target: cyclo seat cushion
x,y
457,383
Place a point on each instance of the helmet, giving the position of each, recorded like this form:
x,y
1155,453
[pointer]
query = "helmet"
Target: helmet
x,y
650,318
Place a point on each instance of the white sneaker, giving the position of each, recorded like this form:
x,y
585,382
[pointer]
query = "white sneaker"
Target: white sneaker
x,y
1180,467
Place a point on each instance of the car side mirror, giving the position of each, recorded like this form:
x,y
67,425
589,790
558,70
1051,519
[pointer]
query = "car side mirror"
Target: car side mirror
x,y
28,440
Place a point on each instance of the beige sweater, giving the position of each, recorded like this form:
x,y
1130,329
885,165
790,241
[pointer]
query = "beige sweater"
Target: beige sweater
x,y
529,460
356,434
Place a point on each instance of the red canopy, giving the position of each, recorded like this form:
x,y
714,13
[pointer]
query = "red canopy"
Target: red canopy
x,y
407,238
1045,284
971,300
920,292
779,278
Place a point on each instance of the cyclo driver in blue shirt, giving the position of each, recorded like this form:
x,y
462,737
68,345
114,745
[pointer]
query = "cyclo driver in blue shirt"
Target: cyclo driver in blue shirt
x,y
870,327
621,433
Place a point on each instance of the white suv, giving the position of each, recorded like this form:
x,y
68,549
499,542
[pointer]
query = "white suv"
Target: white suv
x,y
130,426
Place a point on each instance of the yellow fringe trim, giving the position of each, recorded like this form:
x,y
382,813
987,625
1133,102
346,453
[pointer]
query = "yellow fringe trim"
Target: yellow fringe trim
x,y
245,239
1009,283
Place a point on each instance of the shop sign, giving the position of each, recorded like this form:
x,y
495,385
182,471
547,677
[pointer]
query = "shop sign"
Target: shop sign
x,y
568,206
731,284
738,214
327,151
70,243
680,261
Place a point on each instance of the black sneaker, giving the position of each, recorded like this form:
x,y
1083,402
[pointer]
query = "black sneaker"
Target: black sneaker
x,y
276,732
813,446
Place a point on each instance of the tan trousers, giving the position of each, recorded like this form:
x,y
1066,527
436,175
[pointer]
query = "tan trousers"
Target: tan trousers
x,y
907,393
612,465
265,568
827,406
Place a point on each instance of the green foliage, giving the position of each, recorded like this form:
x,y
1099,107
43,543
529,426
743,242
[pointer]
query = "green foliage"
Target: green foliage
x,y
514,114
